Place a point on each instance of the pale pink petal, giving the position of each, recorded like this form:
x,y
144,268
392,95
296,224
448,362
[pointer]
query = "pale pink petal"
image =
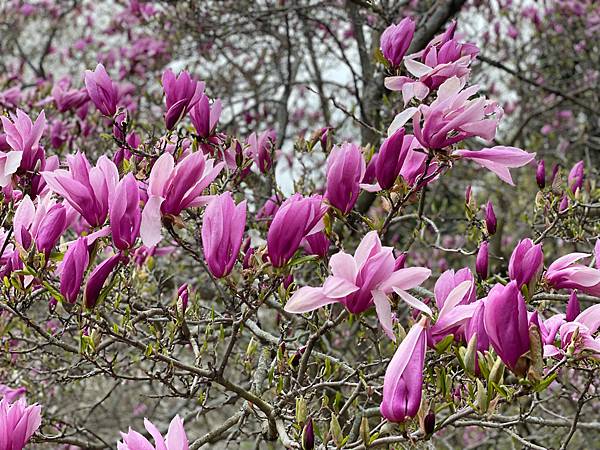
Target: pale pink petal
x,y
337,287
401,119
416,68
590,317
413,302
176,437
150,227
384,313
405,278
342,265
307,299
455,296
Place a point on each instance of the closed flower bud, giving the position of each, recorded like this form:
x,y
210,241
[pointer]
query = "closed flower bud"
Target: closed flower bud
x,y
72,269
125,214
490,218
575,178
540,174
391,157
429,422
222,233
345,170
481,263
97,279
396,39
308,435
573,307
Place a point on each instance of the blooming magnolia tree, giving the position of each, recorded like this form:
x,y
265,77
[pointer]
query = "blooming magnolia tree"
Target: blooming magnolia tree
x,y
203,272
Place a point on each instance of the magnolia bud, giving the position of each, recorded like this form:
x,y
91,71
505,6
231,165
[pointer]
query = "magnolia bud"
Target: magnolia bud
x,y
308,435
429,422
540,174
481,263
490,218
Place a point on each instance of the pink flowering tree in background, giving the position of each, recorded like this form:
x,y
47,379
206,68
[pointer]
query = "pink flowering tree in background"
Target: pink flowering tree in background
x,y
302,225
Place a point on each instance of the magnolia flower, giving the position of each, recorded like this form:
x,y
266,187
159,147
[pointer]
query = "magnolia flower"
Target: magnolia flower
x,y
10,394
506,324
345,170
65,98
396,39
173,188
42,224
72,269
296,218
452,118
358,282
575,178
181,94
260,148
564,273
526,262
176,439
456,308
205,117
125,214
443,58
223,226
102,91
577,334
18,422
403,382
23,136
87,189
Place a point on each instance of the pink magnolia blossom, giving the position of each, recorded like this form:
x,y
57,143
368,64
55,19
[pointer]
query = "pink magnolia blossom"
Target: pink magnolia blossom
x,y
358,282
566,273
86,188
18,422
403,382
23,136
181,94
205,117
102,91
498,159
260,148
175,439
345,170
506,324
396,39
223,227
296,218
577,334
173,188
443,58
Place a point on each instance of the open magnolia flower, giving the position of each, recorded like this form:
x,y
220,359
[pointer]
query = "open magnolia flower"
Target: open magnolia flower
x,y
453,117
363,280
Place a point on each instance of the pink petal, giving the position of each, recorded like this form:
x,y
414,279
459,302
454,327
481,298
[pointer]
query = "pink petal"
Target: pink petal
x,y
384,313
414,302
150,227
307,299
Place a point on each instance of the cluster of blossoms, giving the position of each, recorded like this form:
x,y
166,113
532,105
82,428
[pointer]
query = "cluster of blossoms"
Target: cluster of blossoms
x,y
119,210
